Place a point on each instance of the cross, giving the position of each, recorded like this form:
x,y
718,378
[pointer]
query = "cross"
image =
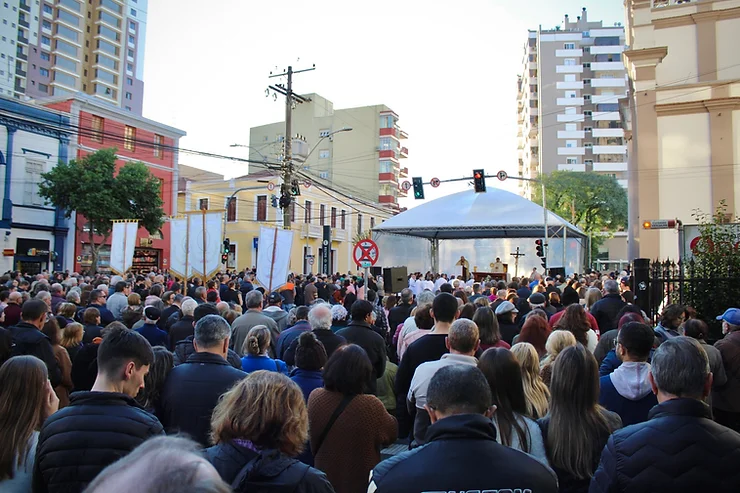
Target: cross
x,y
516,261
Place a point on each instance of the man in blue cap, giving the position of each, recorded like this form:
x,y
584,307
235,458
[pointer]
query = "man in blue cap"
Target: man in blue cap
x,y
726,399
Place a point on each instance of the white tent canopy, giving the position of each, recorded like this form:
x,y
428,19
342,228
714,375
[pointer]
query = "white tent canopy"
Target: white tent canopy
x,y
495,213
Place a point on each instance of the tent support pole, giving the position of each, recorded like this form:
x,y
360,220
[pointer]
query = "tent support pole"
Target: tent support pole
x,y
435,255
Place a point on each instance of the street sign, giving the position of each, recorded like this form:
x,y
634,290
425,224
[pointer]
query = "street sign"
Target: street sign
x,y
659,224
366,264
406,186
310,261
435,182
365,250
307,183
502,175
271,186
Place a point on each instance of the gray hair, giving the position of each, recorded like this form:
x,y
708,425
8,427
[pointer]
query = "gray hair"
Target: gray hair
x,y
338,312
188,307
680,367
611,286
320,317
57,288
425,298
200,292
407,295
463,335
254,299
211,331
73,296
43,295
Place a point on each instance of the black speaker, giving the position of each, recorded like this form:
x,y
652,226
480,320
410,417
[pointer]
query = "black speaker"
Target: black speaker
x,y
376,271
557,271
395,279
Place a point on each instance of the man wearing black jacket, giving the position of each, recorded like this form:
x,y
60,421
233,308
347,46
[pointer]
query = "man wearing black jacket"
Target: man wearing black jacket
x,y
29,340
461,446
101,426
398,314
360,331
606,310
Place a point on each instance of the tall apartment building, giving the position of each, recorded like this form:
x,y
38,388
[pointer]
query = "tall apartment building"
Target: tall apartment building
x,y
569,93
59,47
684,64
364,162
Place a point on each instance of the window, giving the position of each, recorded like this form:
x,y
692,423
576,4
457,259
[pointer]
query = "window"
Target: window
x,y
386,166
109,19
34,169
132,25
588,145
324,175
65,79
385,144
67,48
307,212
569,46
571,160
387,121
344,219
607,41
569,61
322,214
46,24
44,88
571,143
46,40
587,113
324,133
128,138
359,223
106,62
133,13
107,47
68,18
372,222
106,76
129,81
129,96
66,64
129,67
325,154
97,126
586,65
44,72
586,82
262,207
108,32
203,204
570,77
570,94
333,217
68,33
586,34
131,39
588,162
587,129
130,53
608,107
48,9
158,140
587,97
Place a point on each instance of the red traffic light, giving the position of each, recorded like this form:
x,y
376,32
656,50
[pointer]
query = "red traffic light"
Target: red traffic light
x,y
477,176
538,242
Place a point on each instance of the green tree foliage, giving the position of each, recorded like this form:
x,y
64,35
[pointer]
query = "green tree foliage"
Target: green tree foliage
x,y
92,187
595,203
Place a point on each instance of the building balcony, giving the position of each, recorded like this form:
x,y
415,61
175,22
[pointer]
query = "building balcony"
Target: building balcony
x,y
606,115
387,177
25,7
388,132
22,39
575,117
569,69
570,101
607,132
610,167
572,167
614,149
607,98
21,56
387,154
402,192
657,4
387,199
404,152
312,230
403,173
575,84
20,72
402,134
609,82
571,151
606,50
569,53
23,23
571,134
597,66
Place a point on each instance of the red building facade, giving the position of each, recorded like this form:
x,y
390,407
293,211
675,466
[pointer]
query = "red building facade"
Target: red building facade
x,y
102,126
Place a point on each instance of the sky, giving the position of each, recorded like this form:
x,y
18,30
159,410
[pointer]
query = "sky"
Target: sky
x,y
448,69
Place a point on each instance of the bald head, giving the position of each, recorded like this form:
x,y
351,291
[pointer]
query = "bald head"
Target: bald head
x,y
15,297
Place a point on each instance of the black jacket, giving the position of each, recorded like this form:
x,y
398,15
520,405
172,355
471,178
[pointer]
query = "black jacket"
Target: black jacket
x,y
192,390
363,335
462,455
91,332
229,458
184,349
85,367
6,343
679,448
398,315
29,340
79,441
273,472
605,311
166,314
180,330
329,339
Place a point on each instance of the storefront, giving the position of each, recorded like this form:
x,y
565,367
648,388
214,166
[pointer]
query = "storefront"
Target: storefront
x,y
146,260
85,259
32,256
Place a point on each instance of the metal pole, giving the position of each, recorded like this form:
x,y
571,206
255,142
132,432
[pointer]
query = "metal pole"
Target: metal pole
x,y
544,212
287,158
204,246
565,246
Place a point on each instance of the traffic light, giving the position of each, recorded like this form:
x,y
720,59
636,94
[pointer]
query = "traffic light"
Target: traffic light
x,y
418,188
226,251
295,188
479,180
540,248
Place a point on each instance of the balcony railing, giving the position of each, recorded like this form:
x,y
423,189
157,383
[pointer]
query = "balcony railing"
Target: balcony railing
x,y
21,56
22,39
20,72
24,6
667,3
23,23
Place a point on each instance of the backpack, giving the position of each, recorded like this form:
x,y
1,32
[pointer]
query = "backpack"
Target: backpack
x,y
249,482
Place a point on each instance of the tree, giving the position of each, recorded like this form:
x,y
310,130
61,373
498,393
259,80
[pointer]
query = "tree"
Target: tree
x,y
91,187
595,203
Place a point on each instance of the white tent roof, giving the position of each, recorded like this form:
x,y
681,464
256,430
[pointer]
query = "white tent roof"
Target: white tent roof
x,y
495,213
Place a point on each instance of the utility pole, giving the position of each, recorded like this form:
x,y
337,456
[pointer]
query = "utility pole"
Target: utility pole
x,y
288,187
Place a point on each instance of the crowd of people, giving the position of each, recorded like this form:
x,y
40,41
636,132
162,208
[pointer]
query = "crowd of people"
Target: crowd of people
x,y
541,384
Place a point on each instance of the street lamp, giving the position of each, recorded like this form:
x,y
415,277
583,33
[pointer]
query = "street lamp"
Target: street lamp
x,y
264,158
330,134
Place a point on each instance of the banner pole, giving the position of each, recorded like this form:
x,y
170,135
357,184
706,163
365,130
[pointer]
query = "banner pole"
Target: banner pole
x,y
187,250
272,265
125,248
204,246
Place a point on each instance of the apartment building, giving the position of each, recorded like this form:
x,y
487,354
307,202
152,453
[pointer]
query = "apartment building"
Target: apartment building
x,y
364,162
569,91
684,65
251,201
59,47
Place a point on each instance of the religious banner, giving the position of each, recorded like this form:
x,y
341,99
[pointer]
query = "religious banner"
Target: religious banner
x,y
179,265
123,242
273,257
205,240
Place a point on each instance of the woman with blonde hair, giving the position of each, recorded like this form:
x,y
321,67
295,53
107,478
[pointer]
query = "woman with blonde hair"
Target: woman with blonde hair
x,y
577,428
536,392
255,349
558,340
262,423
26,400
592,296
71,339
